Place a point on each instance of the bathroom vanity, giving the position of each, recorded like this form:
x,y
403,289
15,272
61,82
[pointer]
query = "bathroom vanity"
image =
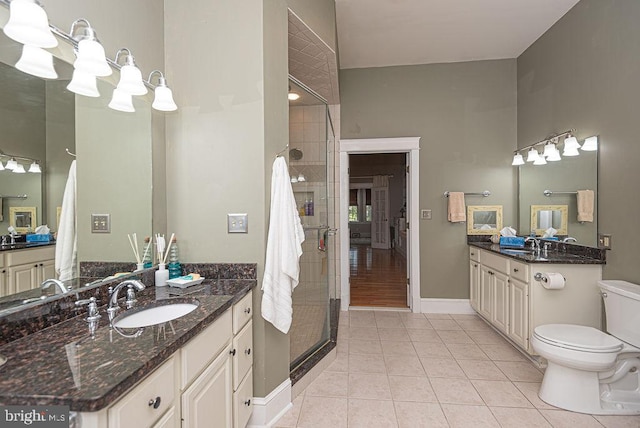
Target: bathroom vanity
x,y
506,292
24,269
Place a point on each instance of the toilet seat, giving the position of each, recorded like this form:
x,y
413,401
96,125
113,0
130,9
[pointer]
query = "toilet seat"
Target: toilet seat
x,y
577,338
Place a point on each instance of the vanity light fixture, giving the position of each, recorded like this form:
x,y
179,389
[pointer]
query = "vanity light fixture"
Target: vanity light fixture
x,y
83,83
590,144
19,169
533,155
28,24
35,168
37,62
11,164
90,56
163,99
130,75
122,101
517,159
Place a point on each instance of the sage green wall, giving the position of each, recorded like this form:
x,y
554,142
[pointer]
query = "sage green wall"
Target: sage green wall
x,y
465,114
584,73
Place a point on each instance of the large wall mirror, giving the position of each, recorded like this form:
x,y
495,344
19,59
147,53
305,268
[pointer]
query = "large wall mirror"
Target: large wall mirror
x,y
563,178
40,119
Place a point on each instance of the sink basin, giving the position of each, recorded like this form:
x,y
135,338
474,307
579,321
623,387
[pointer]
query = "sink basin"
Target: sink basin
x,y
516,251
155,313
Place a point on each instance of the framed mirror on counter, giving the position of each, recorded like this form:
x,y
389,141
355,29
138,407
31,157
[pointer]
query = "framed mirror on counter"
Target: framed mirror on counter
x,y
544,217
484,219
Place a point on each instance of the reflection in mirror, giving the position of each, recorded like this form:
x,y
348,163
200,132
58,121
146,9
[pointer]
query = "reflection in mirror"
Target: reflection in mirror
x,y
570,174
22,218
484,219
545,216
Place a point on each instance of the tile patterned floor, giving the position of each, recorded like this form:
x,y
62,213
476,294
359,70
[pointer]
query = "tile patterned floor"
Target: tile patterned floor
x,y
398,369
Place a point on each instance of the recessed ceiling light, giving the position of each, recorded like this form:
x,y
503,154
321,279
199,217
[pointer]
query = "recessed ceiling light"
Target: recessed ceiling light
x,y
293,96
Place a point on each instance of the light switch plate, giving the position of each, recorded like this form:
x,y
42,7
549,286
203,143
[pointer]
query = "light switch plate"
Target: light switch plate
x,y
237,223
100,223
604,241
425,214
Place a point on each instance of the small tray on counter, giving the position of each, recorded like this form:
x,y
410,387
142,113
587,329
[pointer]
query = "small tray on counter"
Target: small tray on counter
x,y
184,283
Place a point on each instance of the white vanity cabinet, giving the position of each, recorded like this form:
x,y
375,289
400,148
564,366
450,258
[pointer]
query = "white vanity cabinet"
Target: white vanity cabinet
x,y
505,293
3,277
28,268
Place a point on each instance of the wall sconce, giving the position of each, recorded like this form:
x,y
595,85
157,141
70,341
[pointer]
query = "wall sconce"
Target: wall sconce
x,y
37,62
122,101
28,24
90,56
130,75
163,99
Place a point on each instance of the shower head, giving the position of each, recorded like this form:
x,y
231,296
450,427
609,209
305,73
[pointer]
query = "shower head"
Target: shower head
x,y
295,154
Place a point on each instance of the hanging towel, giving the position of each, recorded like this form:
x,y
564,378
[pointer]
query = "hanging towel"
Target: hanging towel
x,y
585,200
456,211
67,239
284,248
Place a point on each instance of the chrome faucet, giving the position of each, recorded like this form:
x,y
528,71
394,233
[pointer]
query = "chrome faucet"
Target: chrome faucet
x,y
92,313
57,284
535,243
569,239
113,307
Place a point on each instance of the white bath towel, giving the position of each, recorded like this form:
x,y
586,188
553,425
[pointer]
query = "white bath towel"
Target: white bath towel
x,y
67,239
284,248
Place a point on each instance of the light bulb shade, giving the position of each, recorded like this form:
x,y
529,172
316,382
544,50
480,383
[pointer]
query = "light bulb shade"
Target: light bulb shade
x,y
163,99
549,148
29,25
37,62
517,160
571,143
83,84
91,58
540,161
122,101
554,156
35,168
11,164
131,80
590,144
1,166
301,178
532,155
570,152
19,169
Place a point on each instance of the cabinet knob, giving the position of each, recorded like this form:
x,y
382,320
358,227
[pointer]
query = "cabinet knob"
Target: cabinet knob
x,y
233,352
247,311
155,403
473,254
36,265
516,270
248,351
475,265
247,402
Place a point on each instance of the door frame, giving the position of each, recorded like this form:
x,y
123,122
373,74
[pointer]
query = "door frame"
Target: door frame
x,y
410,145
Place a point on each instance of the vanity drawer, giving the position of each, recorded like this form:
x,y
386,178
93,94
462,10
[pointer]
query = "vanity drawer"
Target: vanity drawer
x,y
242,312
519,271
474,254
501,264
243,355
30,255
203,348
1,260
148,401
243,402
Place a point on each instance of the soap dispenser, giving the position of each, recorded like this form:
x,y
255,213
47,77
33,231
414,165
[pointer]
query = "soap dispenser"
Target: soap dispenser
x,y
162,275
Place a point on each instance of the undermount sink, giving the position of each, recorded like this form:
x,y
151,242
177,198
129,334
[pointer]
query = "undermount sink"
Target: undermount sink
x,y
155,313
516,251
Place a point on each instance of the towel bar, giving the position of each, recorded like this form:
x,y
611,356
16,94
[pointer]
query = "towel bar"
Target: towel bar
x,y
484,194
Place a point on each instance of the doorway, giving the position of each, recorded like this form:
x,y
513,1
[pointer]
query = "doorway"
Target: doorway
x,y
361,254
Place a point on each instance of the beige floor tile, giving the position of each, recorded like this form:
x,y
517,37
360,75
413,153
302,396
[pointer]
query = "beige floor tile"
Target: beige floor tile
x,y
387,314
398,348
465,317
404,316
455,391
361,319
469,416
445,325
290,419
340,364
454,336
520,371
530,390
363,333
365,347
328,384
397,334
314,412
430,336
466,351
473,325
519,418
388,322
619,421
438,316
564,419
484,370
366,363
412,388
487,337
426,415
342,347
432,350
420,324
369,385
371,414
404,365
442,367
502,352
500,393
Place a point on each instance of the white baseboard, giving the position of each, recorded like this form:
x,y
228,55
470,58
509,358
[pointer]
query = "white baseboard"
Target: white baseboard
x,y
268,410
446,306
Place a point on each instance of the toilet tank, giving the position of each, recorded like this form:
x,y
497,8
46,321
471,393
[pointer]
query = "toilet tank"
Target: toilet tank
x,y
622,309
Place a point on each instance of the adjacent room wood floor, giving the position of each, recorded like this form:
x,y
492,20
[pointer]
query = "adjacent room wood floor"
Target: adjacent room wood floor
x,y
378,277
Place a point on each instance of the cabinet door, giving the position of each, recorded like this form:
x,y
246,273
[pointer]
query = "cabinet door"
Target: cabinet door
x,y
519,315
243,355
4,284
22,277
474,284
243,402
500,300
484,295
208,401
47,270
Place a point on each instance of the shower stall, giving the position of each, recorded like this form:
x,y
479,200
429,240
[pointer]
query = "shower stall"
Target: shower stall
x,y
311,166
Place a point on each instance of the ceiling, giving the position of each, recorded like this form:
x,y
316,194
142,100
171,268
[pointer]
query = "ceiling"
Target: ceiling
x,y
378,33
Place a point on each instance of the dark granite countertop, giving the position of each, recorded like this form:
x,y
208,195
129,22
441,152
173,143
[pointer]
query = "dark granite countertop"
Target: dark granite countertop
x,y
25,245
64,365
558,254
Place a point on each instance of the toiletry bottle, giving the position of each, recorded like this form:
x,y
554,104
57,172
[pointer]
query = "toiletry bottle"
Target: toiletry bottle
x,y
301,211
162,275
147,259
311,208
175,269
307,209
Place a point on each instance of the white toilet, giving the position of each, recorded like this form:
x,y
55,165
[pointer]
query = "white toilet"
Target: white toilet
x,y
590,371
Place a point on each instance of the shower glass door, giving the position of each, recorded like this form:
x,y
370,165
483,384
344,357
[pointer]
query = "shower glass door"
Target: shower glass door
x,y
308,124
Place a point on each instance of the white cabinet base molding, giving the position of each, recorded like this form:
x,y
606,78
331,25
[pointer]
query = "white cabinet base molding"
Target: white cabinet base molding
x,y
268,410
445,306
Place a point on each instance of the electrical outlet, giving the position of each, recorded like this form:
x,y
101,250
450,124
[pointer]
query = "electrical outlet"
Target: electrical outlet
x,y
100,223
237,223
425,214
604,241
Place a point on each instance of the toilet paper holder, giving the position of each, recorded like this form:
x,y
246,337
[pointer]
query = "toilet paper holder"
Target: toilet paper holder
x,y
539,277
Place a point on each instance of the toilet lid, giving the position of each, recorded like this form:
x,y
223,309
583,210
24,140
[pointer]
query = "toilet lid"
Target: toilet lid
x,y
578,337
